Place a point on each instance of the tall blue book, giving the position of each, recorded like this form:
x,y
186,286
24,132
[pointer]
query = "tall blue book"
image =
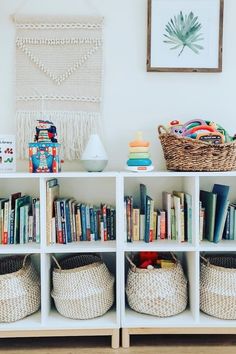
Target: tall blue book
x,y
147,219
222,204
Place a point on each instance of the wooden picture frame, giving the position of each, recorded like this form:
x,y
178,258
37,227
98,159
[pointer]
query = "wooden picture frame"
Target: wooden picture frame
x,y
172,48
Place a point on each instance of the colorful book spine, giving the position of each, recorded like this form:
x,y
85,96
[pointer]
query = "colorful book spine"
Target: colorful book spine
x,y
136,216
83,222
92,223
113,224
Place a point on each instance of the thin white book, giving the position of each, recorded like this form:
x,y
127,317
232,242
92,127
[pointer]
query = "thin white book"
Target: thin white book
x,y
53,231
142,227
177,208
52,194
166,204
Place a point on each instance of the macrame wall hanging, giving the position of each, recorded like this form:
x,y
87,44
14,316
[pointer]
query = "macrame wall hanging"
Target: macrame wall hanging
x,y
59,78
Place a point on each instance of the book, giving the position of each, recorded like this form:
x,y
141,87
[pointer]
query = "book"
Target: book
x,y
155,225
113,224
208,200
147,219
64,222
161,224
225,235
57,208
73,222
92,223
5,222
177,207
166,204
222,192
12,201
151,228
143,194
202,218
128,217
182,236
188,217
26,199
141,226
68,216
83,221
173,225
52,193
78,222
37,220
24,221
104,220
231,221
53,230
136,215
108,215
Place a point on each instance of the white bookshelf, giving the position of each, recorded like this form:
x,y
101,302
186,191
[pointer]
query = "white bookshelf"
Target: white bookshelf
x,y
87,187
192,320
111,187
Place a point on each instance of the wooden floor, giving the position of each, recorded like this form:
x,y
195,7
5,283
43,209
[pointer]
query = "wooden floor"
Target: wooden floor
x,y
169,344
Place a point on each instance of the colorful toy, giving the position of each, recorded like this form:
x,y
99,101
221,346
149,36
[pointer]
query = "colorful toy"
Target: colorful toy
x,y
151,260
45,132
199,129
44,151
147,258
139,157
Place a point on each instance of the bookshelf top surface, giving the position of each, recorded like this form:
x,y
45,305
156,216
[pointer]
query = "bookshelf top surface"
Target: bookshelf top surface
x,y
115,174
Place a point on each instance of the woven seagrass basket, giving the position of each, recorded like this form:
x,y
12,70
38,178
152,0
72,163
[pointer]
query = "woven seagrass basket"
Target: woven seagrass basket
x,y
83,287
218,286
186,154
159,292
19,288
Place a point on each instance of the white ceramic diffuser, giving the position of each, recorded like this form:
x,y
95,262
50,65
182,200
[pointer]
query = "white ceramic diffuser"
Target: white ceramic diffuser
x,y
94,157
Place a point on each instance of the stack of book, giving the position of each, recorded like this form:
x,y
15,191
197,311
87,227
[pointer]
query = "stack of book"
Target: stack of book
x,y
173,221
71,221
19,219
217,216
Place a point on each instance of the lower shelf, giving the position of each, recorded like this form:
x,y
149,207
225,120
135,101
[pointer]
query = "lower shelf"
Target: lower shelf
x,y
31,322
137,320
127,332
56,325
135,323
56,321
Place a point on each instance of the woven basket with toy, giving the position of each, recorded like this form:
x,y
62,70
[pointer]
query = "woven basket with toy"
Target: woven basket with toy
x,y
197,146
156,284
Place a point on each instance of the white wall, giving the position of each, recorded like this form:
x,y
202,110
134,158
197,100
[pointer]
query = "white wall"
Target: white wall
x,y
133,99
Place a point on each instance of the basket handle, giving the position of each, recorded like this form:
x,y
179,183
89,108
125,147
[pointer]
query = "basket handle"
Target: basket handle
x,y
25,258
174,257
160,128
56,261
131,263
205,260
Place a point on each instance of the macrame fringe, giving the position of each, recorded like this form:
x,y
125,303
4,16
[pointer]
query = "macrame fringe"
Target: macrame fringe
x,y
73,129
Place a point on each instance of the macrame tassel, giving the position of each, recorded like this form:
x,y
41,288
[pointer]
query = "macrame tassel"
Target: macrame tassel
x,y
73,129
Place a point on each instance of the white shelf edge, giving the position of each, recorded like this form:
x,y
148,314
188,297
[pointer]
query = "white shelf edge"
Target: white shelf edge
x,y
83,246
20,249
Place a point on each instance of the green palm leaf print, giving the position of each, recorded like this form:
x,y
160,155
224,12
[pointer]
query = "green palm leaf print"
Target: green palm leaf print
x,y
184,31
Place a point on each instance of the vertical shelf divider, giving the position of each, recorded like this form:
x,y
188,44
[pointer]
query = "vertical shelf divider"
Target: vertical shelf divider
x,y
43,236
45,287
45,259
121,249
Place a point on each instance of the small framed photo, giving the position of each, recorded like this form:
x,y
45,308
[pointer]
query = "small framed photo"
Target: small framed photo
x,y
7,153
185,35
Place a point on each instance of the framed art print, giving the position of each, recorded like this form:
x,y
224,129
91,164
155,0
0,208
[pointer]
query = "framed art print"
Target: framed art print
x,y
185,35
